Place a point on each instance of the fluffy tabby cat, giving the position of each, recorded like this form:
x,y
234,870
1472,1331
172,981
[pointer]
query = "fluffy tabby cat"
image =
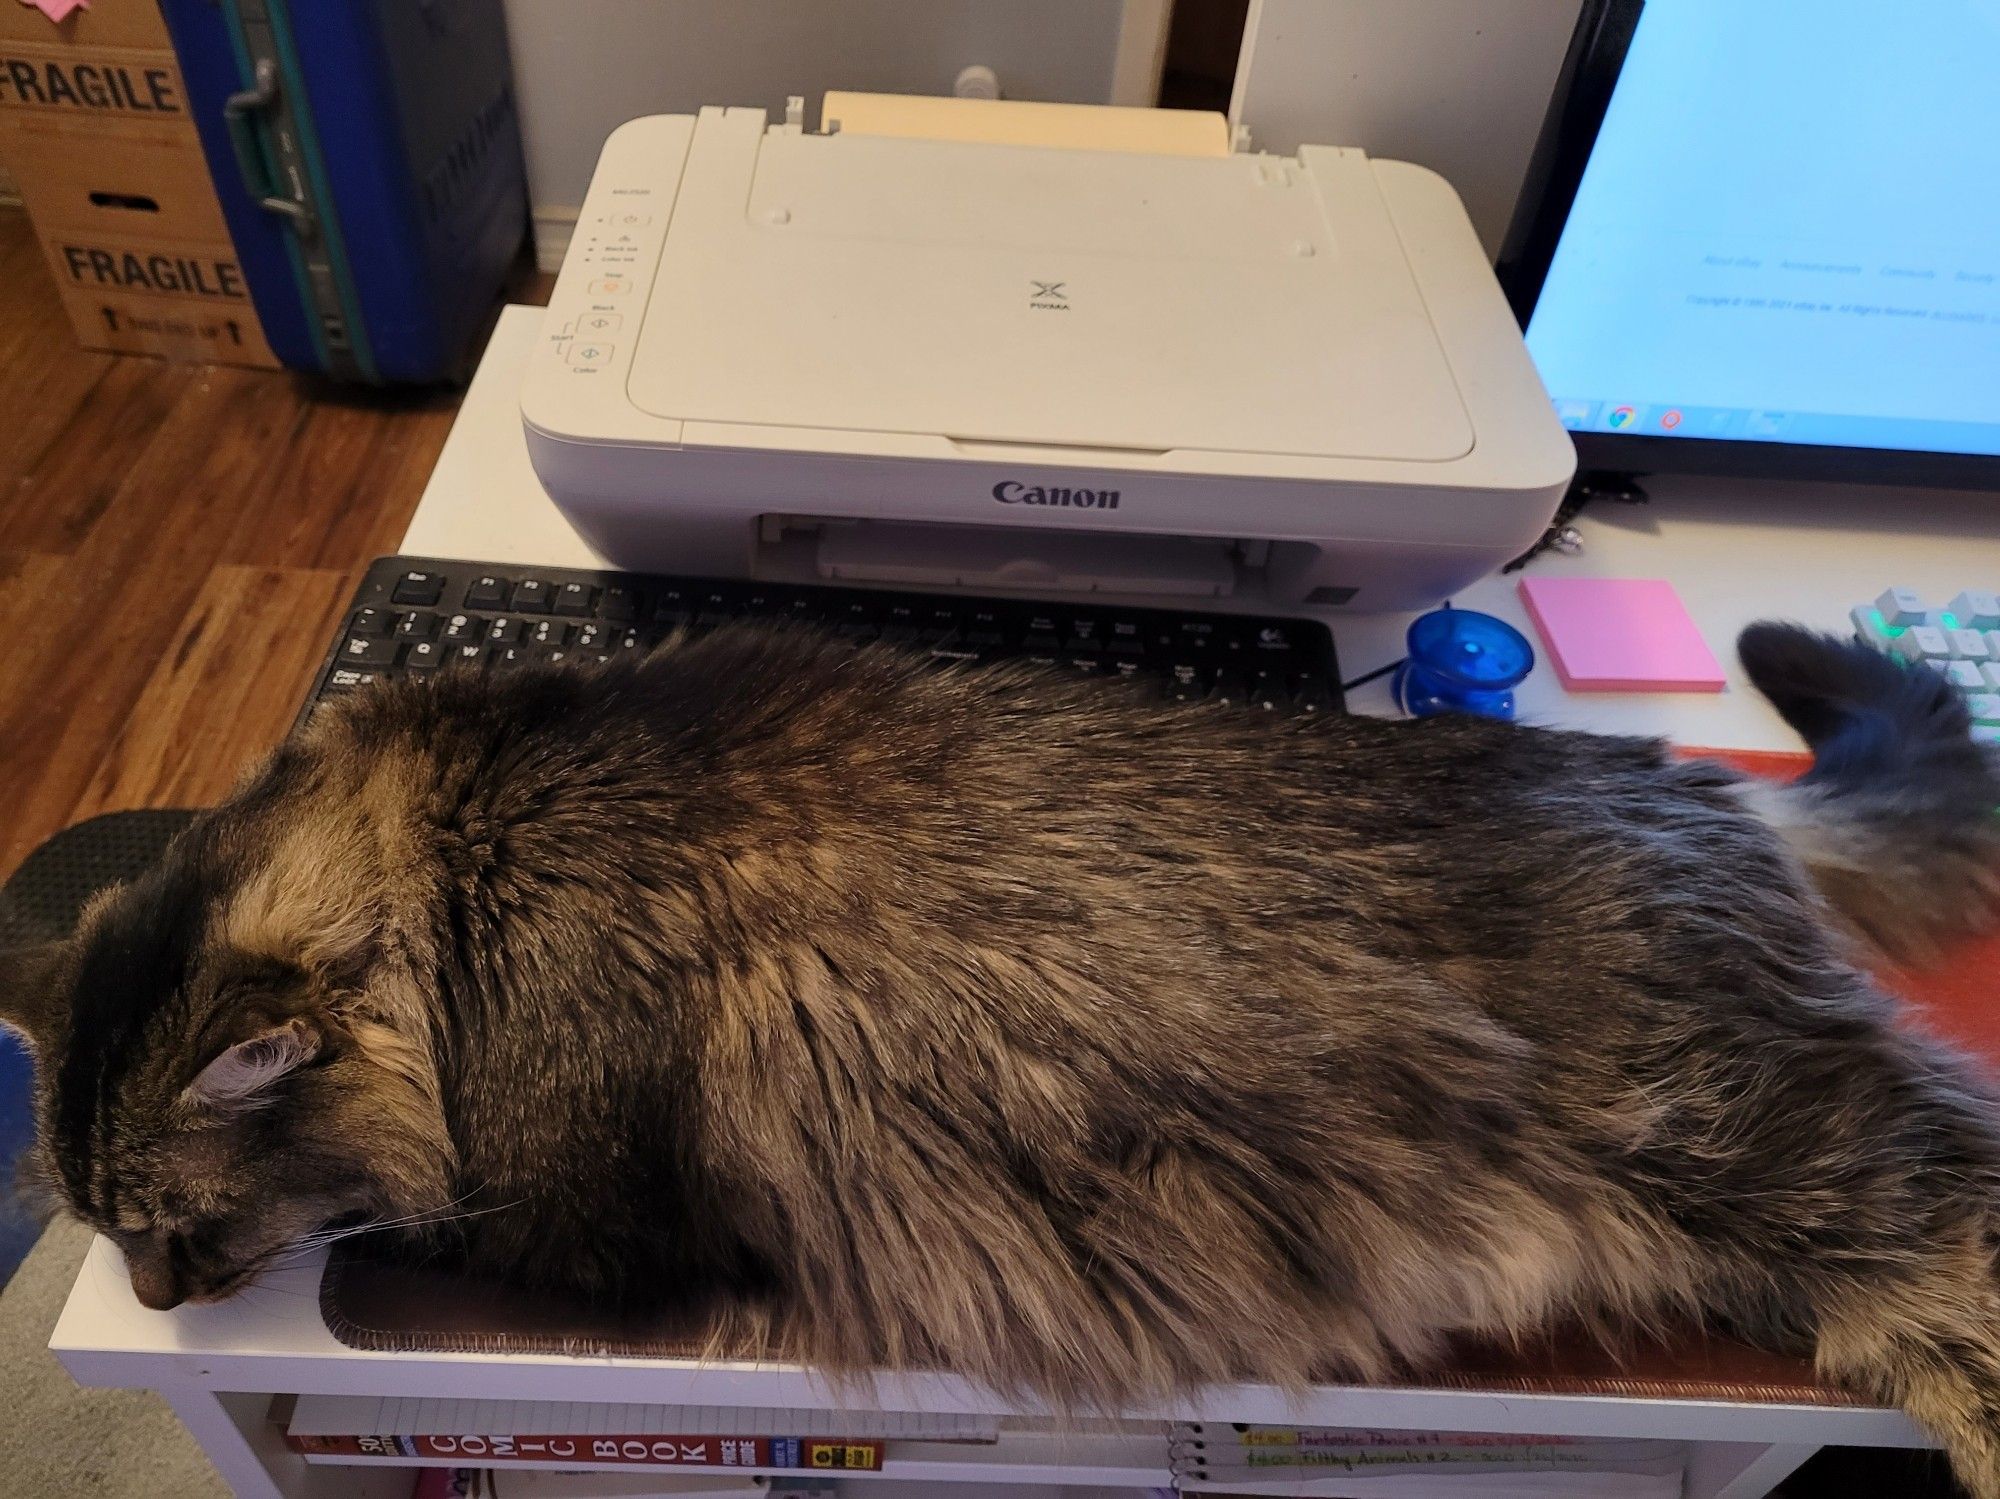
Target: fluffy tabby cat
x,y
1075,1042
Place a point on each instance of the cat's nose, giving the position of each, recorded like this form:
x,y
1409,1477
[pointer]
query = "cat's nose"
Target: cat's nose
x,y
157,1287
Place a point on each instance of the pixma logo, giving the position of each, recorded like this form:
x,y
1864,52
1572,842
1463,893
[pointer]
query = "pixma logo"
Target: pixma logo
x,y
1011,492
1049,296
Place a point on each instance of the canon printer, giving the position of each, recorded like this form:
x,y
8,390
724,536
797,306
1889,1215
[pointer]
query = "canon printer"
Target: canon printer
x,y
899,357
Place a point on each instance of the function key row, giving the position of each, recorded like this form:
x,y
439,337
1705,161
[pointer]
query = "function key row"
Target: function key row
x,y
540,596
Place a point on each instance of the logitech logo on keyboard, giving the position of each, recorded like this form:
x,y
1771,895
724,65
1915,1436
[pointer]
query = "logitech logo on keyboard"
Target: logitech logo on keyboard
x,y
1013,492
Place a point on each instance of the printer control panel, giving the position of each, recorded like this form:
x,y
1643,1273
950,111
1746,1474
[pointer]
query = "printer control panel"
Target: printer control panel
x,y
600,296
595,314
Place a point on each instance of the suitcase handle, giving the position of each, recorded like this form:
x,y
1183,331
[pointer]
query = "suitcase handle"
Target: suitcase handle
x,y
238,111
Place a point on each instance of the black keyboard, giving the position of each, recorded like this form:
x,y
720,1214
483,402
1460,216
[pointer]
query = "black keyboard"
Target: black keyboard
x,y
414,615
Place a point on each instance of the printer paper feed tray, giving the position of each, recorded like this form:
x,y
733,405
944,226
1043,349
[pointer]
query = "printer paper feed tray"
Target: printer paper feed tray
x,y
1000,558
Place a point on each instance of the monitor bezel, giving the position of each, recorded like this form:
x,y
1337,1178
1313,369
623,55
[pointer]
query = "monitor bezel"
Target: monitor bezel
x,y
1589,74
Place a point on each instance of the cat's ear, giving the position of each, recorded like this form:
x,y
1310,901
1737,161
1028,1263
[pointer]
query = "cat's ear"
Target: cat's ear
x,y
32,1003
243,1075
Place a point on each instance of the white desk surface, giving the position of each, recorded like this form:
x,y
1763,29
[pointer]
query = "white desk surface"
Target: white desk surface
x,y
1735,551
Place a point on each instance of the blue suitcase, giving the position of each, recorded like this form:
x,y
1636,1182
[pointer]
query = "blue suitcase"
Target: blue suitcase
x,y
368,159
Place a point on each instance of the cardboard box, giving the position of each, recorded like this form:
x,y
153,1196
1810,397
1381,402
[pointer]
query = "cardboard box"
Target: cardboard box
x,y
94,127
177,300
101,23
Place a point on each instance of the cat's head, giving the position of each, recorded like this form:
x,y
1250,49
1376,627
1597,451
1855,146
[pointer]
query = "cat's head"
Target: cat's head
x,y
209,1102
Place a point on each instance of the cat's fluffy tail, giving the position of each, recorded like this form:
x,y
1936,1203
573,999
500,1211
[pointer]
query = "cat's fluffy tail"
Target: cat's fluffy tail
x,y
1898,820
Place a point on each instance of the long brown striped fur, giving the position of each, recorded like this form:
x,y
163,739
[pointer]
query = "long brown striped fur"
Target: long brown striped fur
x,y
1071,1041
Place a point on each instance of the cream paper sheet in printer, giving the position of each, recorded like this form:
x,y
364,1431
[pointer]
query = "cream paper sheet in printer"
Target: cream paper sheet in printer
x,y
1053,348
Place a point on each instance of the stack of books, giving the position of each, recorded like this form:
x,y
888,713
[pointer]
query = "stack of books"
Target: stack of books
x,y
487,1434
1334,1462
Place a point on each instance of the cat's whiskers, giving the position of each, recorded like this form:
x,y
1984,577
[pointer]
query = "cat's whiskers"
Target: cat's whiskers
x,y
313,1243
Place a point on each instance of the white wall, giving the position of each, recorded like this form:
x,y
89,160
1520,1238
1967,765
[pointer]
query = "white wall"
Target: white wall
x,y
1459,86
584,67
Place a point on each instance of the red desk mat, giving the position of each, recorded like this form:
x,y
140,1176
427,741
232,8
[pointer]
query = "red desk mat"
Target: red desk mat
x,y
389,1308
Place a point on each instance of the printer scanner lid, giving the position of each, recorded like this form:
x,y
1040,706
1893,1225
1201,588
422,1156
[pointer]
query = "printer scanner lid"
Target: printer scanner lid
x,y
1011,294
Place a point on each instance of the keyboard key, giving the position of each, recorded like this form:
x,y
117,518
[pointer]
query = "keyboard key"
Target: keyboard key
x,y
1197,635
508,656
1872,629
984,628
1965,674
1085,635
553,655
505,631
371,622
1125,637
1985,707
1188,683
1990,675
1993,644
531,596
1986,733
420,625
419,588
468,654
1968,645
619,606
347,678
595,637
1314,696
487,592
673,607
1976,610
1901,606
551,632
364,650
425,655
1270,691
1923,643
464,627
575,598
1230,688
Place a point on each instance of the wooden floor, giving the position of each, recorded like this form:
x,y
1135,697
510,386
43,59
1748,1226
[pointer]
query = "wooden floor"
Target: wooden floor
x,y
176,544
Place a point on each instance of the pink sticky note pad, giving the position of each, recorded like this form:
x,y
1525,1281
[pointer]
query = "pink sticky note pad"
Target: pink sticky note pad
x,y
57,10
1620,635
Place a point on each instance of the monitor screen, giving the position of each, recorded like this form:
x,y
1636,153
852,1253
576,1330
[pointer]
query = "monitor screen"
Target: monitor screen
x,y
1787,231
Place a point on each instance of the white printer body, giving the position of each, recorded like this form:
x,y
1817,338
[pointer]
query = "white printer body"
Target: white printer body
x,y
1280,381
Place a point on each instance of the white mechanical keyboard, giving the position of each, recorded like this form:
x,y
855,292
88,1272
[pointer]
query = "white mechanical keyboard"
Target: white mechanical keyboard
x,y
1961,639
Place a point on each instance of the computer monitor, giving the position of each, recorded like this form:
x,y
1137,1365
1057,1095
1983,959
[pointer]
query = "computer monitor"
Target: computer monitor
x,y
1762,237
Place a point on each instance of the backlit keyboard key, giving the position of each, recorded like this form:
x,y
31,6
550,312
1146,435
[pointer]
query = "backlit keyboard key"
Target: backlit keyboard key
x,y
1871,628
1968,645
1976,610
1923,643
1965,674
1985,707
1901,606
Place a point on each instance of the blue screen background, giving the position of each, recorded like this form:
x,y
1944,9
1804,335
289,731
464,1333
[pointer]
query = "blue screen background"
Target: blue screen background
x,y
1789,231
